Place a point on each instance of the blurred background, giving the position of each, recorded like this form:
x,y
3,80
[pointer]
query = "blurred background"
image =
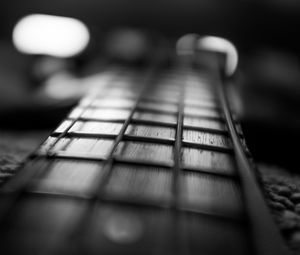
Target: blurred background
x,y
266,88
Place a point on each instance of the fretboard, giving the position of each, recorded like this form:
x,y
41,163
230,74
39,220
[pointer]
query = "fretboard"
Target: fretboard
x,y
149,162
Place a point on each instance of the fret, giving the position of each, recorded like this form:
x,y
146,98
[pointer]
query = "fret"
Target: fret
x,y
145,164
71,155
142,162
208,147
149,139
96,120
153,122
163,101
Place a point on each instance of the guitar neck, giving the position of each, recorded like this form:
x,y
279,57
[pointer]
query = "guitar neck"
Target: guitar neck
x,y
150,161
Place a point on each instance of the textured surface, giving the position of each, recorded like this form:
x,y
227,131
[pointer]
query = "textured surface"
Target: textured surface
x,y
106,154
15,147
143,167
279,185
282,191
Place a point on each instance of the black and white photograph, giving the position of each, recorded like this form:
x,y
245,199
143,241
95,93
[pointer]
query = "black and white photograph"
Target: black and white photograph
x,y
139,127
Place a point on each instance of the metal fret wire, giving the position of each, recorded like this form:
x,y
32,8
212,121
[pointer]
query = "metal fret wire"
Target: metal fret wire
x,y
167,124
108,166
160,123
178,143
73,121
151,123
157,140
110,159
109,162
146,139
26,176
98,198
60,154
162,111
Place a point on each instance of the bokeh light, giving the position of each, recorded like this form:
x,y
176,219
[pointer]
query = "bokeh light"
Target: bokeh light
x,y
50,35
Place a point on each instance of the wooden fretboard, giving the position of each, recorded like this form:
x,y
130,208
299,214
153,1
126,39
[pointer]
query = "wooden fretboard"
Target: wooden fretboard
x,y
148,163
